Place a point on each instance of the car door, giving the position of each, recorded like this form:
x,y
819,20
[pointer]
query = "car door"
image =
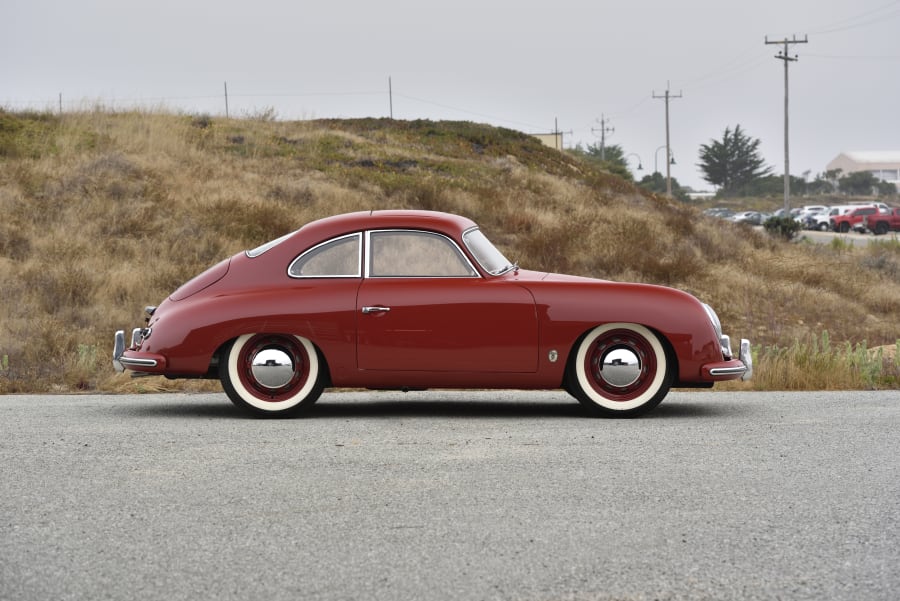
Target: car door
x,y
422,306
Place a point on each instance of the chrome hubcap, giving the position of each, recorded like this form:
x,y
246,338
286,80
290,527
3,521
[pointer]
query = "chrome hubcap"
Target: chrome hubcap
x,y
272,368
620,367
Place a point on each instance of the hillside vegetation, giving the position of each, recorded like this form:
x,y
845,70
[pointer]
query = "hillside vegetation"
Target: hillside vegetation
x,y
102,213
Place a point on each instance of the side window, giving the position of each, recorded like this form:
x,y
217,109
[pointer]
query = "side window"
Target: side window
x,y
416,254
333,259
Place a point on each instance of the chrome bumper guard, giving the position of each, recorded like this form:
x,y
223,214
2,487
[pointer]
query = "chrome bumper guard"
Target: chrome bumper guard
x,y
118,350
120,363
744,356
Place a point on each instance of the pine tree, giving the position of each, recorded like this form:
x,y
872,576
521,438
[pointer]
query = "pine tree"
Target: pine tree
x,y
732,162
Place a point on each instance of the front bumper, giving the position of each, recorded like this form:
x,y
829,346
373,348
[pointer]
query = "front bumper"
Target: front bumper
x,y
733,368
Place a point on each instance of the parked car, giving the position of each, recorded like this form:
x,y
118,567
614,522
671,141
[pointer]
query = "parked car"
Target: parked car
x,y
882,223
853,219
818,221
720,212
417,299
808,210
751,217
882,207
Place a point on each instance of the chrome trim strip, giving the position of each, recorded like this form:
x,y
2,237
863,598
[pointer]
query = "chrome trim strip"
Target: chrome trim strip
x,y
727,371
126,361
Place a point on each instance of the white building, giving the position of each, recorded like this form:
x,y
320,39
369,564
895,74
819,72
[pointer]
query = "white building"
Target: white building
x,y
884,165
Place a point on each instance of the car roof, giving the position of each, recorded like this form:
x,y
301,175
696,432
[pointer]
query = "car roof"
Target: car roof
x,y
385,219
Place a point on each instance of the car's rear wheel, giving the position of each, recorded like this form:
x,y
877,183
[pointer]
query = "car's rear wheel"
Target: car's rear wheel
x,y
272,375
620,370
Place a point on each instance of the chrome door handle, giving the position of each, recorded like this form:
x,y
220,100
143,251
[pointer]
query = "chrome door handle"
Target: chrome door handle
x,y
368,310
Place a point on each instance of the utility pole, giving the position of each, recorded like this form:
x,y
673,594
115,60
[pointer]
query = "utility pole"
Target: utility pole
x,y
667,96
783,56
391,97
603,131
226,100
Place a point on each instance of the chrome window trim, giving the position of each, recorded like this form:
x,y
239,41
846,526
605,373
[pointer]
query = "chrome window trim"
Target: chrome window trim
x,y
357,235
264,248
368,267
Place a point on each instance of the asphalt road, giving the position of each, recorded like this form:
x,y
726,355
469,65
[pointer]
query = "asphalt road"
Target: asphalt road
x,y
851,238
463,495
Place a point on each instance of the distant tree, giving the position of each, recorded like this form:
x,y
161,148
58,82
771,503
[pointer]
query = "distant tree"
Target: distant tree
x,y
656,182
611,158
858,183
770,185
825,183
833,175
887,189
732,162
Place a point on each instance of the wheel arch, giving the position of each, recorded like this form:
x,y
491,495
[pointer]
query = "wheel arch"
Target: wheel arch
x,y
668,348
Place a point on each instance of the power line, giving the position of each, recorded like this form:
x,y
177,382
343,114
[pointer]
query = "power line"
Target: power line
x,y
603,131
667,96
783,56
854,23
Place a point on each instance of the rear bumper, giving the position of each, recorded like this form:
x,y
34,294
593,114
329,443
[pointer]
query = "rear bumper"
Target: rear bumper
x,y
734,369
135,360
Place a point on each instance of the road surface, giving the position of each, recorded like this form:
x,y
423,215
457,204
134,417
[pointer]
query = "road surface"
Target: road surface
x,y
440,495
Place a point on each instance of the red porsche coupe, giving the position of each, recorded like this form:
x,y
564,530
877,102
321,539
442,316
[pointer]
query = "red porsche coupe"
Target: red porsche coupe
x,y
420,299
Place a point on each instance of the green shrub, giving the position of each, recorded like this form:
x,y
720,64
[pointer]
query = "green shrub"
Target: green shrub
x,y
783,227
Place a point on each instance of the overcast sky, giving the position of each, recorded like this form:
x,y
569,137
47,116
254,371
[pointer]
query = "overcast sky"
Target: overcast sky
x,y
519,64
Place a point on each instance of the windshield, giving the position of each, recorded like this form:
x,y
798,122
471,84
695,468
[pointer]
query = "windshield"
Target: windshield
x,y
487,255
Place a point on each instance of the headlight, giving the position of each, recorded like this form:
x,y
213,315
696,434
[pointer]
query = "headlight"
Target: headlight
x,y
724,341
714,319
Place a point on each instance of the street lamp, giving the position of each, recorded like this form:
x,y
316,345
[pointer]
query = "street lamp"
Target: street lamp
x,y
656,158
640,167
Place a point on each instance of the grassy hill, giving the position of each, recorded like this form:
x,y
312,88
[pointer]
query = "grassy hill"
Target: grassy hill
x,y
102,213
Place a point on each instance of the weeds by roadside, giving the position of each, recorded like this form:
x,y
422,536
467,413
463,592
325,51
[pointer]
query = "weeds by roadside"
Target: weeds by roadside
x,y
818,364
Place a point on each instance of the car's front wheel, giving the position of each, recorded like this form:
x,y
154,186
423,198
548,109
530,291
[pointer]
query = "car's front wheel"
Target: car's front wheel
x,y
272,375
620,370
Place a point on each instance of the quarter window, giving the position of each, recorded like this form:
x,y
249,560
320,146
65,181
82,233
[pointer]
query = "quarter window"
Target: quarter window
x,y
415,254
333,259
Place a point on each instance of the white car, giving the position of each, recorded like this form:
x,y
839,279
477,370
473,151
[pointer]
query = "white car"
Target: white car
x,y
818,221
808,210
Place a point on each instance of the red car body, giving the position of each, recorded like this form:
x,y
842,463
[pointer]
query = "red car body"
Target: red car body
x,y
280,323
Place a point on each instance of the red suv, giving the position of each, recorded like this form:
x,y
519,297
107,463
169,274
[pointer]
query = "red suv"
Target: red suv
x,y
852,220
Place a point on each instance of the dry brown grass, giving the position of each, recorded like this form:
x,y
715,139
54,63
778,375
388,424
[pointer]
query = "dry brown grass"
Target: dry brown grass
x,y
103,213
